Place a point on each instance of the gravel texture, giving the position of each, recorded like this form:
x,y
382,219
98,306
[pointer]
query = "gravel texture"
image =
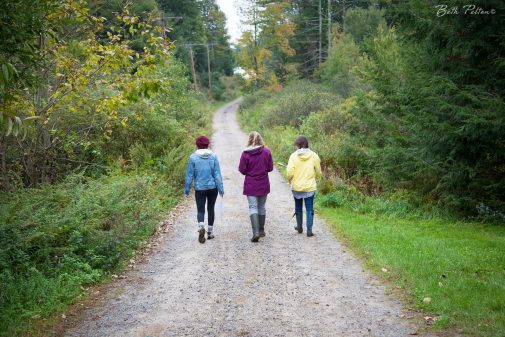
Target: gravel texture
x,y
285,285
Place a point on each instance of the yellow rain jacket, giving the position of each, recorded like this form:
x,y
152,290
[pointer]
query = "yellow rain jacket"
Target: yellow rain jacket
x,y
304,166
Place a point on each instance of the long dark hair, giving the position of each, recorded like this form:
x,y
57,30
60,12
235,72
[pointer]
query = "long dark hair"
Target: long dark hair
x,y
301,142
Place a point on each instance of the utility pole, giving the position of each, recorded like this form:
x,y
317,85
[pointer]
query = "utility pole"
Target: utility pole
x,y
208,70
190,45
320,33
163,20
329,27
163,34
193,68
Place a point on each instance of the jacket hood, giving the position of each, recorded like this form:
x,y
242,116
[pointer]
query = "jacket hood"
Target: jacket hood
x,y
254,150
204,153
304,154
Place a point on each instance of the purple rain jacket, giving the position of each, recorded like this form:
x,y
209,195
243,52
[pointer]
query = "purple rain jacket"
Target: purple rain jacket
x,y
255,163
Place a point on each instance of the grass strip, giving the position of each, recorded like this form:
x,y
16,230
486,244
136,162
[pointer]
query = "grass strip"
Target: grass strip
x,y
460,266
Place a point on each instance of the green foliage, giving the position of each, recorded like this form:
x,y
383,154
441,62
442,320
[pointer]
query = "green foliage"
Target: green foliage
x,y
256,97
57,238
295,103
264,50
459,265
22,21
416,131
450,147
305,16
372,142
393,205
106,99
228,87
337,70
462,47
423,246
362,23
113,125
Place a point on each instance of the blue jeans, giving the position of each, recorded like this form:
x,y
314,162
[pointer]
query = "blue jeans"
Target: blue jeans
x,y
309,208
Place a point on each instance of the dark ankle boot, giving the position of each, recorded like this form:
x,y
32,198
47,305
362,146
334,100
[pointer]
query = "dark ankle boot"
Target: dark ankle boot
x,y
255,224
299,222
262,224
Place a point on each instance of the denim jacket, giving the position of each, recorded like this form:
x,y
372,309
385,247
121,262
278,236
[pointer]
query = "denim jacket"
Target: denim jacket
x,y
203,169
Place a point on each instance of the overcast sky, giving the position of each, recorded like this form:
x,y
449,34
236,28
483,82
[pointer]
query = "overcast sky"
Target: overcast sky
x,y
229,7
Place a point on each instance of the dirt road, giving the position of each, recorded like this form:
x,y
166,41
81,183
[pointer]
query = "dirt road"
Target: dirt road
x,y
285,285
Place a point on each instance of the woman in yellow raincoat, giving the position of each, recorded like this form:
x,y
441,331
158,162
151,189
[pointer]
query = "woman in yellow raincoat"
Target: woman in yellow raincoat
x,y
304,167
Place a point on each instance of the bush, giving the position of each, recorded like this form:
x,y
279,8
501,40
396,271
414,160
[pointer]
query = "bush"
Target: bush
x,y
394,206
297,101
337,70
411,129
57,238
257,97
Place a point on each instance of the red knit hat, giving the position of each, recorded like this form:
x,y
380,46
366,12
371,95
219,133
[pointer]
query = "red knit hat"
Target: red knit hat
x,y
202,142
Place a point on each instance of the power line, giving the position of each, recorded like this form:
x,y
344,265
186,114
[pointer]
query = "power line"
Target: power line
x,y
190,45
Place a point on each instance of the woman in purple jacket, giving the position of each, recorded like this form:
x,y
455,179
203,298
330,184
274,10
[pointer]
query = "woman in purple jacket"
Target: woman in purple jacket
x,y
255,163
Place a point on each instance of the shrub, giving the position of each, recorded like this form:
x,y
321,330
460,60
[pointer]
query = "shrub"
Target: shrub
x,y
297,101
337,70
54,239
256,97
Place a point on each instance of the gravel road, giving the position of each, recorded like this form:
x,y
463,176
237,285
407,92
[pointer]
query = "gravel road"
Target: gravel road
x,y
285,285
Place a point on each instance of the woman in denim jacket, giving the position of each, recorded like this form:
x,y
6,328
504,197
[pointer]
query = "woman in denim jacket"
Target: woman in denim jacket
x,y
203,169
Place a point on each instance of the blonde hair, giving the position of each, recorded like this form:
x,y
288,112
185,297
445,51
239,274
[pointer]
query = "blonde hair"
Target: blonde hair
x,y
255,139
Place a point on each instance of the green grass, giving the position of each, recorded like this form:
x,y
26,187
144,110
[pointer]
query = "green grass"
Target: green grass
x,y
459,265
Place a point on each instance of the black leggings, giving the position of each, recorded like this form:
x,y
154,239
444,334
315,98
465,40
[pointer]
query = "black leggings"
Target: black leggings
x,y
206,195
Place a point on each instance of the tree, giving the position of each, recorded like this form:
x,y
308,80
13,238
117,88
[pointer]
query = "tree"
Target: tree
x,y
217,38
189,29
81,79
202,28
364,22
22,30
265,51
312,18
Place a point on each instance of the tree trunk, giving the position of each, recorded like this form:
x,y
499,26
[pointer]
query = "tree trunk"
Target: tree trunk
x,y
3,165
